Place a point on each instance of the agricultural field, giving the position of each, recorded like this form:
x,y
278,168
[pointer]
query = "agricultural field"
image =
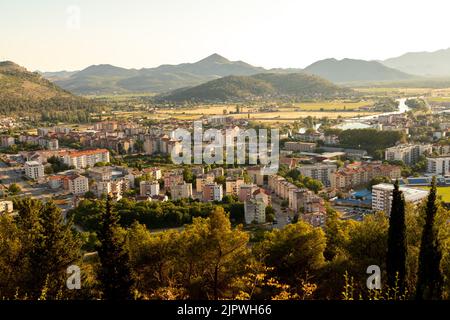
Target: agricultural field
x,y
285,112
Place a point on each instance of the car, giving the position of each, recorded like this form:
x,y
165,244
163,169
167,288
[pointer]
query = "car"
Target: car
x,y
274,222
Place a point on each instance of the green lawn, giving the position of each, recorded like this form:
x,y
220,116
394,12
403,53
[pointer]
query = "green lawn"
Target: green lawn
x,y
444,192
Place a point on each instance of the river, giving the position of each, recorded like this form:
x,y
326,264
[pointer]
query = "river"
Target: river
x,y
360,122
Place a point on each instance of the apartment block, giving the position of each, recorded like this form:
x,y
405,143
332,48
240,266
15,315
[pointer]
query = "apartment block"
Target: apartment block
x,y
148,188
232,185
181,191
76,184
212,192
34,170
300,146
439,165
408,153
382,196
319,171
86,158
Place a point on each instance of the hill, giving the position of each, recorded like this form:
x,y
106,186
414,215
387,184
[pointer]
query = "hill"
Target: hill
x,y
264,85
435,63
351,70
104,79
28,93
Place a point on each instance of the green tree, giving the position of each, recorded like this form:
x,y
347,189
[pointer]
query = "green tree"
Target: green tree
x,y
56,248
429,277
188,176
14,189
295,252
114,273
397,248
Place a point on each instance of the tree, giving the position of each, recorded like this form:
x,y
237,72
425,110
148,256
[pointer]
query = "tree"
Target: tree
x,y
429,276
270,214
188,175
54,250
397,249
114,273
214,255
295,252
14,189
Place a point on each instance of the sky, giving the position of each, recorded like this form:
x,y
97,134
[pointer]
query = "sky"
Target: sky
x,y
53,35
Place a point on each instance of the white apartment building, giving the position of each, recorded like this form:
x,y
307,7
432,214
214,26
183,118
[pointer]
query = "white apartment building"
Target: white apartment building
x,y
319,171
382,196
181,191
439,165
148,188
77,184
86,158
408,153
34,170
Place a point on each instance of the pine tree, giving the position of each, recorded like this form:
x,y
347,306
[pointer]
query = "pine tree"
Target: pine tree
x,y
397,250
50,246
114,273
429,277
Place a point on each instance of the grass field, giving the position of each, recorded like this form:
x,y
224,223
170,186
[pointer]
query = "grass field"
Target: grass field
x,y
444,192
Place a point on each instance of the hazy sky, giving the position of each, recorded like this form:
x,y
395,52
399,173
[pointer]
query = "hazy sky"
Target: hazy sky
x,y
44,35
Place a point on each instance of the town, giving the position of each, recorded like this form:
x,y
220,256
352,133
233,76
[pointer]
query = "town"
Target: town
x,y
115,157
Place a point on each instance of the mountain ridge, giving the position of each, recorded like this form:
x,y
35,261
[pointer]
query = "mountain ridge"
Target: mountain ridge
x,y
354,70
263,85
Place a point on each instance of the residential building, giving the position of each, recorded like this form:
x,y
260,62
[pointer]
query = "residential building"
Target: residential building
x,y
438,165
202,180
298,146
34,170
171,180
319,171
212,192
408,153
148,188
6,141
382,196
232,185
358,174
181,191
255,173
86,158
255,206
245,191
76,184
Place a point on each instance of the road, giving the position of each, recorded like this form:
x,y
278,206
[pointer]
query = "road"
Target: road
x,y
281,215
10,175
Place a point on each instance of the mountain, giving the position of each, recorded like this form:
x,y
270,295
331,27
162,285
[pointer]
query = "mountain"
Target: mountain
x,y
351,70
104,79
264,85
24,93
435,63
58,75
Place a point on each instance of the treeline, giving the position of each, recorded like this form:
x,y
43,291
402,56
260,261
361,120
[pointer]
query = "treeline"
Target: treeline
x,y
369,139
152,214
211,259
67,109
